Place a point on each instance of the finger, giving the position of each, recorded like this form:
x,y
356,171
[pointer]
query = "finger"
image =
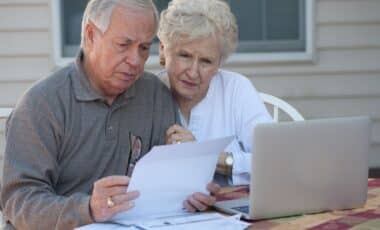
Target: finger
x,y
112,181
122,207
197,204
123,198
176,128
204,199
182,137
188,206
172,129
213,188
169,139
116,190
188,136
176,137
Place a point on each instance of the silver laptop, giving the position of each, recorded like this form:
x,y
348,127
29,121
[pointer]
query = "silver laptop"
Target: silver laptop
x,y
306,167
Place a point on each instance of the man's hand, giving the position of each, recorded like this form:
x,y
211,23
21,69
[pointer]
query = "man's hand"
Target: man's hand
x,y
201,202
177,133
110,196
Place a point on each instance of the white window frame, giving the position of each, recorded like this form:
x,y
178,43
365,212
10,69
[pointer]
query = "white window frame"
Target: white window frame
x,y
237,58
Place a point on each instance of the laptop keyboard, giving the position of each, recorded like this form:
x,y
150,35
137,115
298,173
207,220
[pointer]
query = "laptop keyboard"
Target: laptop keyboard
x,y
243,209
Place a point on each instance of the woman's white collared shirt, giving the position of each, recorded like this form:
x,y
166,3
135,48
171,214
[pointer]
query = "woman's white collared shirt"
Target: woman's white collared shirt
x,y
232,107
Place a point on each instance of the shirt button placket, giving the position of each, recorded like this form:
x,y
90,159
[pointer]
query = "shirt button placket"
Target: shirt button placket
x,y
110,128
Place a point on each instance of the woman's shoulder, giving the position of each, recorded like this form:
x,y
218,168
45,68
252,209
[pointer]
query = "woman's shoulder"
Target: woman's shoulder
x,y
233,79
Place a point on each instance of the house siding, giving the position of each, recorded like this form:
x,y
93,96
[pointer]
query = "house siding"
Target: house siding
x,y
342,80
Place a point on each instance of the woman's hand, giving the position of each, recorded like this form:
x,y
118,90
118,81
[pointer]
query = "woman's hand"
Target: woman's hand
x,y
200,201
177,134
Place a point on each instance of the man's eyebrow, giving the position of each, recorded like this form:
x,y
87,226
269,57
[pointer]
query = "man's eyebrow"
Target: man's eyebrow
x,y
129,40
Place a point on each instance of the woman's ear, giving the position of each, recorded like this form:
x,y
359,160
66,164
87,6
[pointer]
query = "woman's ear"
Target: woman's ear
x,y
161,47
161,54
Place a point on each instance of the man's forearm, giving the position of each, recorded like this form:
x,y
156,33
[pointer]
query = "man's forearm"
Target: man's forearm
x,y
31,208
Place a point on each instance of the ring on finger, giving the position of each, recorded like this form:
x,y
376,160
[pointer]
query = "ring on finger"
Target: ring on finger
x,y
110,202
176,142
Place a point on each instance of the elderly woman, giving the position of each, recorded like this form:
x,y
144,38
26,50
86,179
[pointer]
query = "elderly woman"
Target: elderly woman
x,y
196,37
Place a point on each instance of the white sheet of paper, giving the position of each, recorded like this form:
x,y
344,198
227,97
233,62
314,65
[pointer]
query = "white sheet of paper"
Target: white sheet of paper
x,y
107,226
187,221
168,174
197,221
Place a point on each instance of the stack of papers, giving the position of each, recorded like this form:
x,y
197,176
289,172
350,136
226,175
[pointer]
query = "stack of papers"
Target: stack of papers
x,y
165,177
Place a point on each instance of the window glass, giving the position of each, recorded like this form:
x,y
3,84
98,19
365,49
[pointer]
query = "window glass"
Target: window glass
x,y
264,25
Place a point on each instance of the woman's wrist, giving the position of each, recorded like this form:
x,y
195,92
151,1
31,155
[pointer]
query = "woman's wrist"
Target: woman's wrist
x,y
225,164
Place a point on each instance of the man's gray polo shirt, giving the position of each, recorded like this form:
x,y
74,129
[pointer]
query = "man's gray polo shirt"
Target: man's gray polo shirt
x,y
62,137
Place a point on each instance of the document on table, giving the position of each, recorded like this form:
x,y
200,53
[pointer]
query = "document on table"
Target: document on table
x,y
178,222
169,173
195,221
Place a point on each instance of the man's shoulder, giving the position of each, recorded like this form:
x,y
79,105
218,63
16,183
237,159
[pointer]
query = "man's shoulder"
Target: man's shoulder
x,y
52,83
47,89
150,78
151,82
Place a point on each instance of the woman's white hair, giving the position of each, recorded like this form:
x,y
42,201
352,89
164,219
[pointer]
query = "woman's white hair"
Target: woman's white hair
x,y
187,20
99,12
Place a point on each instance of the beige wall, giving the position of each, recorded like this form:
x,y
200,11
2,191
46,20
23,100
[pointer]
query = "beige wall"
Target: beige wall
x,y
343,80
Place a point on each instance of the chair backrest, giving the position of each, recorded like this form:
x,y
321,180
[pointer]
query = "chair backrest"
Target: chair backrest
x,y
279,104
5,112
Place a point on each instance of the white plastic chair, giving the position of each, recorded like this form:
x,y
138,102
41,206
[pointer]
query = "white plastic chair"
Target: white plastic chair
x,y
5,112
279,104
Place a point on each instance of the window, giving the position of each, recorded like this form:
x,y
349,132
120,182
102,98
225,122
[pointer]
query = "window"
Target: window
x,y
270,25
266,27
71,14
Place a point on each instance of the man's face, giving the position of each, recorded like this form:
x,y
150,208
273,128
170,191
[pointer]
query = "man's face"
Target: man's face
x,y
117,57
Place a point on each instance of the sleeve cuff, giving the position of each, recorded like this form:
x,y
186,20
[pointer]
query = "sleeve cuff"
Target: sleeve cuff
x,y
242,168
85,212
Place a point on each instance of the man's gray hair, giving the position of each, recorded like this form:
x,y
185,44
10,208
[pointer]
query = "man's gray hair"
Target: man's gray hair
x,y
187,20
99,12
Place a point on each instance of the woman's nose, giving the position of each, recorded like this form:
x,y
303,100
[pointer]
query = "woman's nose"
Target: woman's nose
x,y
193,70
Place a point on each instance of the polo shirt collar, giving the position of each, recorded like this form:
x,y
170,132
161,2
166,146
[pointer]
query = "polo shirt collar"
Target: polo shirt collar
x,y
82,86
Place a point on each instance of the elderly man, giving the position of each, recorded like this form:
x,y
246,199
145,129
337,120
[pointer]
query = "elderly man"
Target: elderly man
x,y
74,136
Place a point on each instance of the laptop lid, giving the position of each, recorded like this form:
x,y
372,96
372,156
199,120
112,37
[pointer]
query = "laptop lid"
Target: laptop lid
x,y
307,167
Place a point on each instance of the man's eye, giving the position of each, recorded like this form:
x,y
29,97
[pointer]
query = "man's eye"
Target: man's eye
x,y
145,48
184,55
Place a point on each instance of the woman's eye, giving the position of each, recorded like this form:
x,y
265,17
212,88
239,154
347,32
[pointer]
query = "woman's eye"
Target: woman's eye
x,y
207,61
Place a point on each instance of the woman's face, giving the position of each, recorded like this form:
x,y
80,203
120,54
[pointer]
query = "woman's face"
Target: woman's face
x,y
191,66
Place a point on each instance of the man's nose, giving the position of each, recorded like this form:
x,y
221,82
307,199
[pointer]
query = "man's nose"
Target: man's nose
x,y
133,57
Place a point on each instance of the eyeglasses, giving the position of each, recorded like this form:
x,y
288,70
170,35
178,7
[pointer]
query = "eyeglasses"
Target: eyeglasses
x,y
135,143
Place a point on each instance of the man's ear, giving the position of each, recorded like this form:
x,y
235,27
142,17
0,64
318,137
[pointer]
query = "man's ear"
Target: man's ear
x,y
90,35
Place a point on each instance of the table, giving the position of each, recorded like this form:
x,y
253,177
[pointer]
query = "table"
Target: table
x,y
367,217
